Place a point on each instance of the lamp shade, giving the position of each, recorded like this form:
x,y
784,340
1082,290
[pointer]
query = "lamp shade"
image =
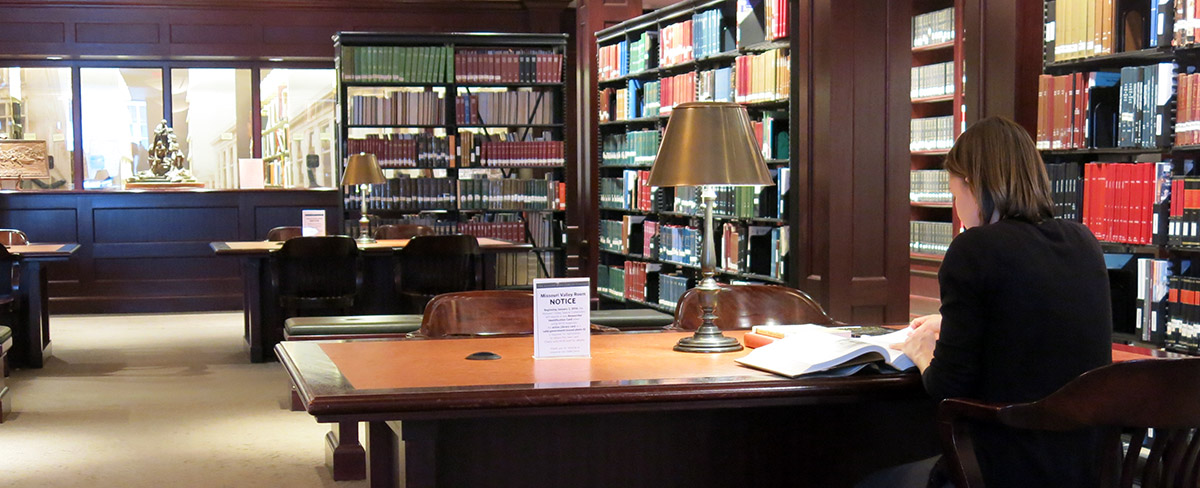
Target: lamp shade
x,y
362,169
709,143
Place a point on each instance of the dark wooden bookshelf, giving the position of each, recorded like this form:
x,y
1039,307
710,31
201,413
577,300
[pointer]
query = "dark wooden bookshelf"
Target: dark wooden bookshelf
x,y
451,87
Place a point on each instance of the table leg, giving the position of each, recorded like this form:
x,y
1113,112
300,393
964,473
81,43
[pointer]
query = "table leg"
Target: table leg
x,y
344,455
35,322
382,449
419,447
251,284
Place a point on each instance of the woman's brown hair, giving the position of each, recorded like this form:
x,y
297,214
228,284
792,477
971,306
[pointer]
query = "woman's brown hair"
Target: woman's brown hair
x,y
1004,170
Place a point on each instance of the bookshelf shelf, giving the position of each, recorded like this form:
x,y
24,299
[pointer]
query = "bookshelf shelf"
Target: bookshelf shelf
x,y
640,120
932,204
934,47
767,46
937,99
1107,150
776,162
926,257
1186,148
461,77
767,104
1115,60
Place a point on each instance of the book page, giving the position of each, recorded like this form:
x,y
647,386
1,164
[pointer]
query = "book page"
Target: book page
x,y
811,351
895,357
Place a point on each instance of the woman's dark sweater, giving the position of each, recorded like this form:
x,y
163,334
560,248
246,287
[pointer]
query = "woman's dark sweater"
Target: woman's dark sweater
x,y
1025,309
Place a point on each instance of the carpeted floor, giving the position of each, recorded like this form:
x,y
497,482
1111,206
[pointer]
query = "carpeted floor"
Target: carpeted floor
x,y
157,400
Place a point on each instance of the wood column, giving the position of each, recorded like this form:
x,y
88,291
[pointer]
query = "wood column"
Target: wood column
x,y
584,189
853,235
1002,42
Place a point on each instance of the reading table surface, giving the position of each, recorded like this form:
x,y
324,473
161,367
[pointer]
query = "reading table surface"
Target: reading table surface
x,y
382,245
634,401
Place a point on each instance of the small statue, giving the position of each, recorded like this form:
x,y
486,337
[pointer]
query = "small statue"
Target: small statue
x,y
166,160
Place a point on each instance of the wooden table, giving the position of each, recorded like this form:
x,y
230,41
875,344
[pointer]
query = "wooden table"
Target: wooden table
x,y
263,315
31,333
635,414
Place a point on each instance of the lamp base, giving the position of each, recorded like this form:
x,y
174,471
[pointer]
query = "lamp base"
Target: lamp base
x,y
365,239
708,343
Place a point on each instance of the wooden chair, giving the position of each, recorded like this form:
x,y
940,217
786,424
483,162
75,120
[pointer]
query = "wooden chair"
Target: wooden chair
x,y
744,306
13,237
478,313
284,233
402,231
1127,397
321,272
432,265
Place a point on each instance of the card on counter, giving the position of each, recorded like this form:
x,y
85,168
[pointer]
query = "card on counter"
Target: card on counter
x,y
561,327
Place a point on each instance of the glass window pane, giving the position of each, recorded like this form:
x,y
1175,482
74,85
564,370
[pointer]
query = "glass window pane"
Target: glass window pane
x,y
211,118
35,104
121,108
297,121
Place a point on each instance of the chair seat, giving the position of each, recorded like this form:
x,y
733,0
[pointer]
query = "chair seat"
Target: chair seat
x,y
352,325
5,335
632,318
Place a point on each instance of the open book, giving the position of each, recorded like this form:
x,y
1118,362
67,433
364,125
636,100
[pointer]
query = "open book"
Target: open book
x,y
811,350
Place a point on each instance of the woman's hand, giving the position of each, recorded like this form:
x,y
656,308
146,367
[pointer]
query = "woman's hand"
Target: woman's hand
x,y
921,341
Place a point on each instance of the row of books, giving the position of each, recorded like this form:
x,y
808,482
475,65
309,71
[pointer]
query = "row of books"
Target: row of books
x,y
929,186
1187,113
636,274
396,107
1103,109
931,133
708,34
626,103
675,44
1083,28
520,269
674,90
471,143
629,192
651,99
926,237
1186,29
671,288
762,77
776,21
1064,188
507,66
408,194
715,85
642,52
1151,314
406,150
754,249
931,28
520,107
1121,201
612,61
512,194
615,235
404,64
632,148
639,282
275,142
499,154
773,136
1183,227
1182,331
743,202
932,80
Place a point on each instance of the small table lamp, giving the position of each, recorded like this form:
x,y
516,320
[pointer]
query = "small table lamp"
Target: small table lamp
x,y
709,143
363,170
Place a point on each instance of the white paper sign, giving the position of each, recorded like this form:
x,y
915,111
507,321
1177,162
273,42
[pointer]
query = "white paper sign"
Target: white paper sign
x,y
561,325
250,173
313,222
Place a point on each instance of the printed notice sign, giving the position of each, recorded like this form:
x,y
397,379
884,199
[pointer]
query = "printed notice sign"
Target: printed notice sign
x,y
561,324
313,222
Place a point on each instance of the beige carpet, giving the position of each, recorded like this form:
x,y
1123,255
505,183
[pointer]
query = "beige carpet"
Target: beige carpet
x,y
154,401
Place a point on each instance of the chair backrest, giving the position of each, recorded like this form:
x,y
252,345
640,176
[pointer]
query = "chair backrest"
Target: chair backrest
x,y
433,265
477,313
744,306
284,233
1127,397
402,231
319,266
13,237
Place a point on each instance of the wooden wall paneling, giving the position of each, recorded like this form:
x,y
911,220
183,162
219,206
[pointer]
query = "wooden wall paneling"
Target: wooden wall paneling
x,y
800,259
1002,42
858,163
590,16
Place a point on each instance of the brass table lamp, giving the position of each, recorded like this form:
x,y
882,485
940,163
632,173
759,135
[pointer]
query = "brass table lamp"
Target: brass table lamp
x,y
709,143
363,170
